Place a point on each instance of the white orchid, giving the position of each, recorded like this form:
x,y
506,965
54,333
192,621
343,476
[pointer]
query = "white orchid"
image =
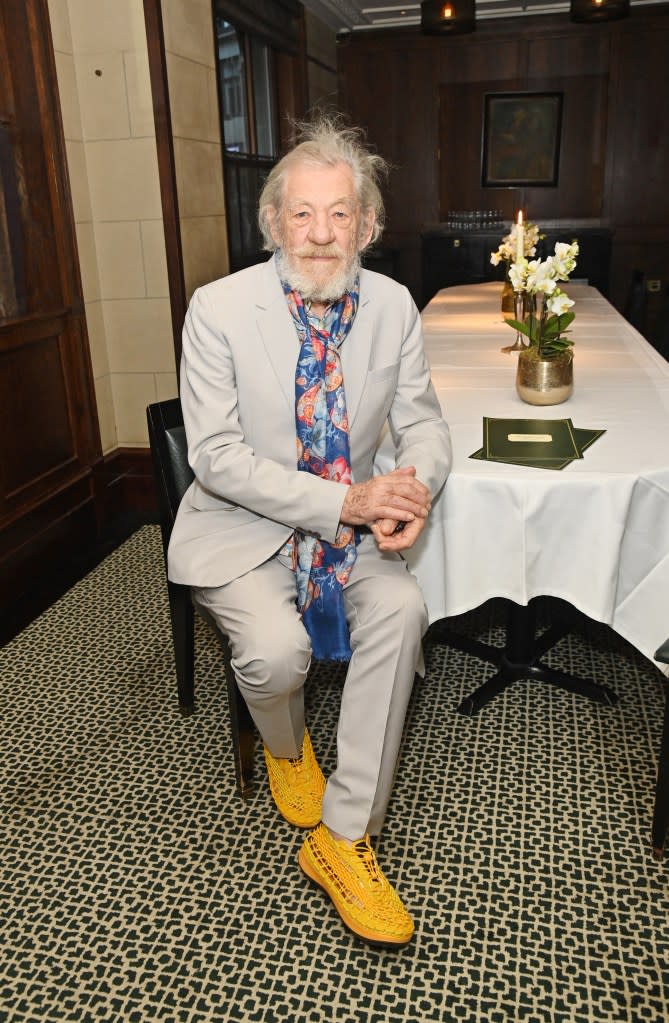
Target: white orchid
x,y
518,275
508,248
549,317
540,277
559,303
564,259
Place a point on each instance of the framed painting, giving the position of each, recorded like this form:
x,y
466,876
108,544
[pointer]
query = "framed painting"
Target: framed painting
x,y
521,139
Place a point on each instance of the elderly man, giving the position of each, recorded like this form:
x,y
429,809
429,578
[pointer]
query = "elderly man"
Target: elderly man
x,y
299,555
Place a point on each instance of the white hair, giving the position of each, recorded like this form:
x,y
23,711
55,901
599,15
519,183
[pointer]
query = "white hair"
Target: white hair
x,y
325,143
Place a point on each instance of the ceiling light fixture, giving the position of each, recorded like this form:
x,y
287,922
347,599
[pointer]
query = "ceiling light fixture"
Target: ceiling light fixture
x,y
447,17
599,10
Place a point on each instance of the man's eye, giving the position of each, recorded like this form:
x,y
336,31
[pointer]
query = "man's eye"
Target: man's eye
x,y
342,215
301,215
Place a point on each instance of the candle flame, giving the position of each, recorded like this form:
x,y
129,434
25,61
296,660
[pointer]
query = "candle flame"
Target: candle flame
x,y
520,212
447,11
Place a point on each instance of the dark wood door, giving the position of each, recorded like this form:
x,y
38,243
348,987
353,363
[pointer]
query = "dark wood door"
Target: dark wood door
x,y
49,439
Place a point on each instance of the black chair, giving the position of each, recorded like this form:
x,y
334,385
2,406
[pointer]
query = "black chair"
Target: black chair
x,y
660,340
173,476
661,811
634,309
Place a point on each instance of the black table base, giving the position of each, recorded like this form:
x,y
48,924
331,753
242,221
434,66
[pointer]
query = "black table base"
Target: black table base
x,y
520,659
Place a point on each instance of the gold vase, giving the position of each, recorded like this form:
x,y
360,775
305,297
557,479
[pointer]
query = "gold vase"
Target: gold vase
x,y
544,381
507,300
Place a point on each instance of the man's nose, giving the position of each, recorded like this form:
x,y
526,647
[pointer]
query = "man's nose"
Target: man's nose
x,y
321,228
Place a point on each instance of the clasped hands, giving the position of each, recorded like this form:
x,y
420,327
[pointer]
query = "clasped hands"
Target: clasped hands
x,y
395,506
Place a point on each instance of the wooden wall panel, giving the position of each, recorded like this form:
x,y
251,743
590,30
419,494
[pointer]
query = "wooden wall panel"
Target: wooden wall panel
x,y
407,136
49,439
461,118
582,159
422,97
639,135
43,287
477,58
580,190
571,50
35,457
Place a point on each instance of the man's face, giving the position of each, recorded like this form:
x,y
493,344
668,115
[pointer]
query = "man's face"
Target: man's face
x,y
319,230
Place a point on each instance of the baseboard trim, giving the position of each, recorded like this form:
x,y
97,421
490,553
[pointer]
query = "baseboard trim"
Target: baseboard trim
x,y
66,536
124,487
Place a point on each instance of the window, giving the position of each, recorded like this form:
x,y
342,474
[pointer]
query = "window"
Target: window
x,y
232,77
247,83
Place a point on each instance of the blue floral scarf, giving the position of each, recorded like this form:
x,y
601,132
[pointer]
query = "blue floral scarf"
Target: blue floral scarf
x,y
321,568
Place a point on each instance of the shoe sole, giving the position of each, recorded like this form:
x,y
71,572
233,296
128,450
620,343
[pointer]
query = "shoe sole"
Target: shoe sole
x,y
369,937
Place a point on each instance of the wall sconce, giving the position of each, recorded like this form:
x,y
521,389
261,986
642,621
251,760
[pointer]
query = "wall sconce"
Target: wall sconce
x,y
599,10
448,17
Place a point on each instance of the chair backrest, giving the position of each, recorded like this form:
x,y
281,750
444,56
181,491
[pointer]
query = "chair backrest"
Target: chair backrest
x,y
169,451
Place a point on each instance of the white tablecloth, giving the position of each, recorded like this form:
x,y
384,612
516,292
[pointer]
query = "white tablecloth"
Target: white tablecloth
x,y
596,533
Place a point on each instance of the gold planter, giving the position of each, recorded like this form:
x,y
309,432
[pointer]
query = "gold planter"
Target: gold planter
x,y
507,300
544,381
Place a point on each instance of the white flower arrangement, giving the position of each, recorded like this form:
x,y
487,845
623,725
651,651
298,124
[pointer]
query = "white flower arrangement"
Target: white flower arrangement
x,y
549,317
508,248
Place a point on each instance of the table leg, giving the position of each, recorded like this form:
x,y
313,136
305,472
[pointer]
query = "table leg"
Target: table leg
x,y
520,659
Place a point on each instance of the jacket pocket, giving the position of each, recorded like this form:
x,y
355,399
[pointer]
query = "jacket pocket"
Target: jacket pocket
x,y
383,375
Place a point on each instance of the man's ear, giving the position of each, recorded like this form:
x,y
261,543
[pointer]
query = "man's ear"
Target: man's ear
x,y
366,229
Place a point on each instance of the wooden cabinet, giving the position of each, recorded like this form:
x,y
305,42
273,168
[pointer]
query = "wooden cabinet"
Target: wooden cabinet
x,y
458,257
49,439
452,257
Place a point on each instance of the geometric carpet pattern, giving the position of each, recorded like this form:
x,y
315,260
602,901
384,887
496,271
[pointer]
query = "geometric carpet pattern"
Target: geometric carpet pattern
x,y
136,885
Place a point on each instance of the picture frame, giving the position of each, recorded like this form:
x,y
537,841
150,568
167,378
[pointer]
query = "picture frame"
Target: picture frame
x,y
521,139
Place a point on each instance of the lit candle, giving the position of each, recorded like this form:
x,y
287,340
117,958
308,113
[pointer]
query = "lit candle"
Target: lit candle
x,y
520,240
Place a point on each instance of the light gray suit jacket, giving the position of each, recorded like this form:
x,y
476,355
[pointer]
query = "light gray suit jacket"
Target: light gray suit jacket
x,y
240,351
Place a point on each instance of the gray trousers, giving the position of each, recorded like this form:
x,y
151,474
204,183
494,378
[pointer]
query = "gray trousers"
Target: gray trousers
x,y
271,653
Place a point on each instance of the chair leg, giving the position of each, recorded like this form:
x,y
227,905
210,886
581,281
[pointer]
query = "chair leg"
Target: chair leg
x,y
183,637
661,812
242,729
241,726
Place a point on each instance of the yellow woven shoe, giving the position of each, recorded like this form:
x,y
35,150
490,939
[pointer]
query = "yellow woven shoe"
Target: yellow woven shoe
x,y
361,893
297,785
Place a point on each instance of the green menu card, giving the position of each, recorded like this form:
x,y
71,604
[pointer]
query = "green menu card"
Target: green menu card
x,y
535,435
527,440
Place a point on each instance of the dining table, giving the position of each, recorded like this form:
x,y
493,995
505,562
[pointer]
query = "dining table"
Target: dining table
x,y
594,534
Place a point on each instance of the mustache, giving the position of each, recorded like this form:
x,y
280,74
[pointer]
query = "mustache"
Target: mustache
x,y
327,251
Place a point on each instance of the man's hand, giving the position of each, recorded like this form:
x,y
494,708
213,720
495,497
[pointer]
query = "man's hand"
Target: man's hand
x,y
392,535
398,496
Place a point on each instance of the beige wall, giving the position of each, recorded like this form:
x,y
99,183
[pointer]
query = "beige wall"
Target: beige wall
x,y
103,78
191,75
105,94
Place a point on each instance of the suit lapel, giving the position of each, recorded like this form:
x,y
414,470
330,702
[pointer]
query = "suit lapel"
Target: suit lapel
x,y
277,331
280,340
355,356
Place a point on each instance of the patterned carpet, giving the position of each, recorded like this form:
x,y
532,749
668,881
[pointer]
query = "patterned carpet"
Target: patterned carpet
x,y
137,886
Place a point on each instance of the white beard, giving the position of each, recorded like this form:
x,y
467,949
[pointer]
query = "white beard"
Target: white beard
x,y
318,291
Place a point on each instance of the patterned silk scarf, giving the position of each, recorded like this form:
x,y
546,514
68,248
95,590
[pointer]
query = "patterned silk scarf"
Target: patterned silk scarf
x,y
321,568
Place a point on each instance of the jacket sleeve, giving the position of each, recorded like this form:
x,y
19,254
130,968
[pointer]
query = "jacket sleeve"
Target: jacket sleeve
x,y
420,435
